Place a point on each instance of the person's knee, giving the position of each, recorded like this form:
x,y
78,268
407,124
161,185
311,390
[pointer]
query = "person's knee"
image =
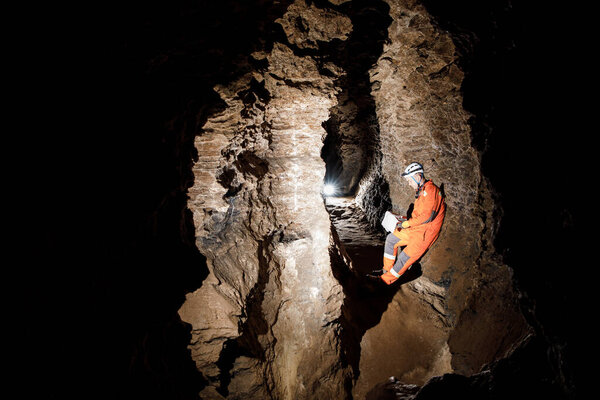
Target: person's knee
x,y
391,240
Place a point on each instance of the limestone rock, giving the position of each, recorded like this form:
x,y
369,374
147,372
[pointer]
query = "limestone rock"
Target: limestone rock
x,y
415,336
306,25
262,224
416,87
272,318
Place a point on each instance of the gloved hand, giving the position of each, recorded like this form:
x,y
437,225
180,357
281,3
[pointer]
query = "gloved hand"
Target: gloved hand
x,y
405,224
400,217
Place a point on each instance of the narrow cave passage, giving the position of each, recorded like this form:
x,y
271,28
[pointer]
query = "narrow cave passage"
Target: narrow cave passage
x,y
350,149
378,106
350,146
365,299
422,326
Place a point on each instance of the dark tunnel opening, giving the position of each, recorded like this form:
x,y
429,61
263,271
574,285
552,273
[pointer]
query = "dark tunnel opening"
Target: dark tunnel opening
x,y
352,130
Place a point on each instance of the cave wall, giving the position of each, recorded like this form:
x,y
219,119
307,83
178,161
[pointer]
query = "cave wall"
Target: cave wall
x,y
416,86
261,222
258,214
114,97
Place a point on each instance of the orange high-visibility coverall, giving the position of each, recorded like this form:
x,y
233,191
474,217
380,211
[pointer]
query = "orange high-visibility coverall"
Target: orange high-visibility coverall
x,y
423,230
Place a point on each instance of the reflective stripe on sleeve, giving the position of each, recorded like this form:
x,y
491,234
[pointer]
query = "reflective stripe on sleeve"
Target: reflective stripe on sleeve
x,y
432,217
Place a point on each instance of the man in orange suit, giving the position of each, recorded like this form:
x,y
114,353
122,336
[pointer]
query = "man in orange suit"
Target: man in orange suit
x,y
417,234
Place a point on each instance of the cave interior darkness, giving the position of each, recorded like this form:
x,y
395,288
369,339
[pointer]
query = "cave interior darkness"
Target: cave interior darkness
x,y
109,242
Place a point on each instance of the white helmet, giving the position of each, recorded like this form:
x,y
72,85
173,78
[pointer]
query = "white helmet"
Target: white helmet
x,y
413,169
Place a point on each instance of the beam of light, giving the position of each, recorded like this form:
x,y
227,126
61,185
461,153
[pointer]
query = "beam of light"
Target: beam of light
x,y
329,189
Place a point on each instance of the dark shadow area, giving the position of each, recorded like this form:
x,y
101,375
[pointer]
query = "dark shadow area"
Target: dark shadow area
x,y
529,108
331,155
117,94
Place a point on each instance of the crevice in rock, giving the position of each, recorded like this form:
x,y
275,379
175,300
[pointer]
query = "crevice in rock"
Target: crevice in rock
x,y
248,344
231,351
364,301
352,129
349,149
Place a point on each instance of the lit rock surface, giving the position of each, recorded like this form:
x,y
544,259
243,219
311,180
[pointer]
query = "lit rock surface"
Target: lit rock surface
x,y
414,330
285,312
416,87
262,224
306,25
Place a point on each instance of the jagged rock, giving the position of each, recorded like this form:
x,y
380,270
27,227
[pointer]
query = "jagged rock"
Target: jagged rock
x,y
416,87
210,129
263,226
306,25
392,390
272,317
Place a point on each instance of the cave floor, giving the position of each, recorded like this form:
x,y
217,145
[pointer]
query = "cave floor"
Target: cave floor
x,y
366,299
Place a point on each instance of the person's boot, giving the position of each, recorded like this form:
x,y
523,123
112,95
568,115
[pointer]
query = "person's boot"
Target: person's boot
x,y
375,273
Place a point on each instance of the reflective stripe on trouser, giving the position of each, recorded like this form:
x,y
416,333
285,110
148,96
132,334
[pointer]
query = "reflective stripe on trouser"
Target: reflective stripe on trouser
x,y
392,242
400,266
392,265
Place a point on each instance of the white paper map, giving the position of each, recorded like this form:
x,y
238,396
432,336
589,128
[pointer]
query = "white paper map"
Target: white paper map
x,y
389,221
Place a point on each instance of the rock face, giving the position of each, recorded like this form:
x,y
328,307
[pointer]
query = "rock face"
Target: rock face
x,y
264,322
280,314
201,135
416,87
